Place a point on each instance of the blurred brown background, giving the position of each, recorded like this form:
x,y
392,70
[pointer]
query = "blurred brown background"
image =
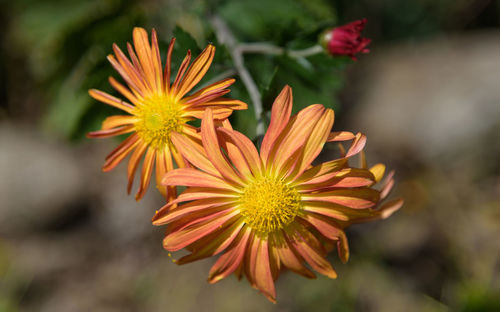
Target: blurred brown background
x,y
427,96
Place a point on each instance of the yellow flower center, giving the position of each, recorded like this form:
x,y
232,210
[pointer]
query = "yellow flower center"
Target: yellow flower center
x,y
269,204
158,116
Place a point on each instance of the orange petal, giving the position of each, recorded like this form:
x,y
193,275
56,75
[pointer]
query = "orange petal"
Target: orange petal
x,y
213,149
340,212
357,146
210,92
166,215
316,140
231,259
217,244
168,65
349,177
235,155
111,100
194,154
161,169
263,277
197,70
180,239
248,152
353,198
312,256
378,172
194,193
134,162
110,132
326,228
118,155
156,60
250,260
134,71
339,136
147,170
320,173
290,259
124,90
123,145
295,135
192,177
127,71
143,49
280,115
218,113
230,103
117,121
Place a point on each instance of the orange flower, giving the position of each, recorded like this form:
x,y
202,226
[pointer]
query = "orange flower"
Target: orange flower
x,y
269,210
158,108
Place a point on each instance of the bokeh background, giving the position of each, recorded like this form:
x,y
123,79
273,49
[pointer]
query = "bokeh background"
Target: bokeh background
x,y
427,96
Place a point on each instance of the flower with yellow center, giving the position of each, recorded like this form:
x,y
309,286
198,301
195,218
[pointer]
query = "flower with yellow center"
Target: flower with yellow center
x,y
272,209
158,108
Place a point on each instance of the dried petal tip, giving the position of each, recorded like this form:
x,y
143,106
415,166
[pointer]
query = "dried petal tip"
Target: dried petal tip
x,y
346,40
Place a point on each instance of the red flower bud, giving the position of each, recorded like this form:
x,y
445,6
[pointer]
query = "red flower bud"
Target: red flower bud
x,y
346,39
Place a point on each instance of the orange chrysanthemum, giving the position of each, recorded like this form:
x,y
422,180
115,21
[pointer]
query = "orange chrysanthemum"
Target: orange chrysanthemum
x,y
158,108
269,210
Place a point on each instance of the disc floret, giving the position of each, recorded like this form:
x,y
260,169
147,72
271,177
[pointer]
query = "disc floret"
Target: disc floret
x,y
269,204
158,116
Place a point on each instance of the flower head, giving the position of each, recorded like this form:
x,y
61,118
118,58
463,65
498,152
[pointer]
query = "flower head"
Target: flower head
x,y
346,39
158,108
268,210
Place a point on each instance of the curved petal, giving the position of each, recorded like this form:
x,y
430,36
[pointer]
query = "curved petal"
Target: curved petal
x,y
321,172
147,170
166,215
131,73
340,212
110,132
168,65
118,154
197,70
193,153
231,259
346,178
294,135
289,258
143,49
192,177
378,171
315,141
263,277
248,151
303,243
214,245
213,149
134,162
123,90
339,136
280,115
117,121
210,92
357,145
111,100
353,198
180,239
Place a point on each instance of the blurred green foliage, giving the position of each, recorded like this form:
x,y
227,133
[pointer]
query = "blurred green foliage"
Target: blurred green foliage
x,y
66,43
